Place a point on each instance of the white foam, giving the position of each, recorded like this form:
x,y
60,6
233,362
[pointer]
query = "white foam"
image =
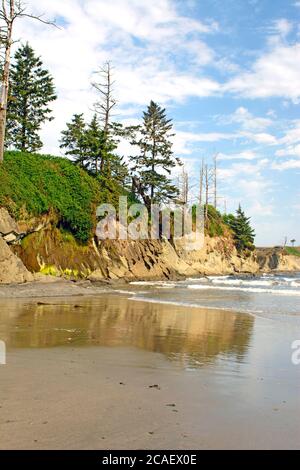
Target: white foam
x,y
240,282
160,284
126,292
246,289
295,284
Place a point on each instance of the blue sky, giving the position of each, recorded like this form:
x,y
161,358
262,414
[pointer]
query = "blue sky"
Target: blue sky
x,y
227,71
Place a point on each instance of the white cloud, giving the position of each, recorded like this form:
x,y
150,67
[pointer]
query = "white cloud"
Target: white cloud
x,y
261,138
144,41
291,141
243,155
282,27
253,170
246,119
250,186
291,150
286,165
292,135
275,74
184,142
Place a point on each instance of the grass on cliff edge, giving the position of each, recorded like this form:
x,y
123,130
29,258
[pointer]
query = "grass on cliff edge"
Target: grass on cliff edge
x,y
34,184
290,250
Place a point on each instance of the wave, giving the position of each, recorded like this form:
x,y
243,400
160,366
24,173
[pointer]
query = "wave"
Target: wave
x,y
126,292
160,284
237,282
246,289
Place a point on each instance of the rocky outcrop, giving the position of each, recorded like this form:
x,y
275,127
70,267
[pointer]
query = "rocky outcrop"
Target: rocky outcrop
x,y
160,259
276,259
9,229
38,246
12,268
12,231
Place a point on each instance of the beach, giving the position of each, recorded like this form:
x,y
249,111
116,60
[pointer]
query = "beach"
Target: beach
x,y
109,372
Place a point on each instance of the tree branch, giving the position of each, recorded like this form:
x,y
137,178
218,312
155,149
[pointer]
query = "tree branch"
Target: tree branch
x,y
38,18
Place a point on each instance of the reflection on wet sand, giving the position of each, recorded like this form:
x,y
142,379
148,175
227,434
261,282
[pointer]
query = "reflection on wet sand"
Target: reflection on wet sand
x,y
192,336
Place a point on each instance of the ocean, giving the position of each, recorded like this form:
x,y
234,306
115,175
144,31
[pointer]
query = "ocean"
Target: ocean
x,y
275,296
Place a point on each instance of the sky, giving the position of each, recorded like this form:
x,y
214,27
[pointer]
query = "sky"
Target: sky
x,y
227,72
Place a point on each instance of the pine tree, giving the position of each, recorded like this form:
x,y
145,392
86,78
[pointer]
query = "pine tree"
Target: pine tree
x,y
31,91
243,233
153,165
89,146
94,145
74,140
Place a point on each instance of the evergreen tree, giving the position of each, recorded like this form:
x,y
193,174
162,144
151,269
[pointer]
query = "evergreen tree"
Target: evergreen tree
x,y
74,139
89,146
31,91
153,165
94,145
243,233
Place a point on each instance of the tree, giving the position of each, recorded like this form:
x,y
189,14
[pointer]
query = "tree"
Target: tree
x,y
31,91
10,11
94,144
293,241
106,103
183,186
88,145
73,140
243,233
153,164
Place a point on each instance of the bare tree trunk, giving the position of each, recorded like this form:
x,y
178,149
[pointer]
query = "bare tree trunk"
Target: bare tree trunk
x,y
215,180
186,187
206,191
108,99
106,103
5,77
201,183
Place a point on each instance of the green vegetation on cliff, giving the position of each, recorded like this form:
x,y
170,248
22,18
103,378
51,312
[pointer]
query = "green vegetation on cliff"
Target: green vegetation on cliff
x,y
291,250
32,185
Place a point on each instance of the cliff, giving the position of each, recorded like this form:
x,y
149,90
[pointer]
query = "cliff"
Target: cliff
x,y
47,221
38,246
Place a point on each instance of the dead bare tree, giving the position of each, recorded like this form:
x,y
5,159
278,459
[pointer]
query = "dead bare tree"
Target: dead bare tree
x,y
105,87
106,103
215,177
206,181
201,183
183,186
10,11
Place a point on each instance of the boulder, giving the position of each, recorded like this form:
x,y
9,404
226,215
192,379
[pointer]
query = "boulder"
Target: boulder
x,y
9,229
12,270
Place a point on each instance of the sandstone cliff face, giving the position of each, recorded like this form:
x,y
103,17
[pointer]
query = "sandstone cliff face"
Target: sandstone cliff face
x,y
12,268
276,260
38,246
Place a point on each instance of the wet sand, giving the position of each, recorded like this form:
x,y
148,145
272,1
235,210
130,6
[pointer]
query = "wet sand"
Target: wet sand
x,y
52,287
108,373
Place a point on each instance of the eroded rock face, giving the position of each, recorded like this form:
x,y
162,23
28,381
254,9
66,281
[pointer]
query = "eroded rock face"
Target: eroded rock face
x,y
12,270
9,229
39,246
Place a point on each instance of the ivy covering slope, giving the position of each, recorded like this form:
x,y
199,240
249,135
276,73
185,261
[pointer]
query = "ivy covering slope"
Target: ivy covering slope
x,y
33,184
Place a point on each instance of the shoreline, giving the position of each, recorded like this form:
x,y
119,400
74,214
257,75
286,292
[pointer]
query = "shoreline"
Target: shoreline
x,y
125,390
50,286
